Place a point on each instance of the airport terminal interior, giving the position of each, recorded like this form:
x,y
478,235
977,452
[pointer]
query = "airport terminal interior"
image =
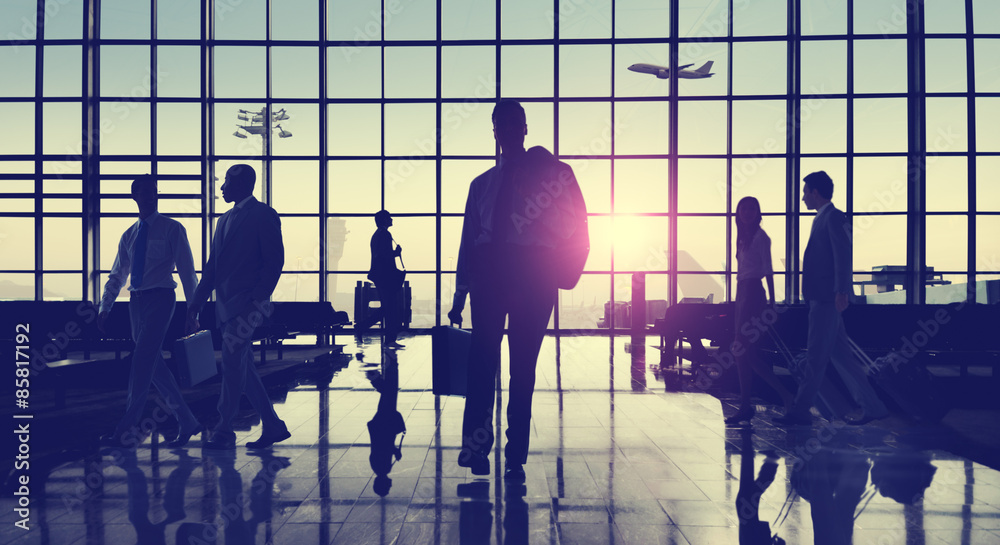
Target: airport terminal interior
x,y
669,112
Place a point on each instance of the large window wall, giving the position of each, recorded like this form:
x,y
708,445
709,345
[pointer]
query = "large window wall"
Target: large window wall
x,y
388,104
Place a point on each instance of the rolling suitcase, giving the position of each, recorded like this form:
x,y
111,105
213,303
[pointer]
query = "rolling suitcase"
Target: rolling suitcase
x,y
450,355
831,400
907,382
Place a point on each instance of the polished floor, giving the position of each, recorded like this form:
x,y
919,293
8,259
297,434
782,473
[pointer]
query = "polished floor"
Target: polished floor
x,y
614,459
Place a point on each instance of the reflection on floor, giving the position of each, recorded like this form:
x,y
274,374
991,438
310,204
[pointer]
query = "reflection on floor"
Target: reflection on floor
x,y
612,461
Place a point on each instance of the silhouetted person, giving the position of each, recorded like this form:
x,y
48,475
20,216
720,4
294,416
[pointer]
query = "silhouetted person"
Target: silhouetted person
x,y
832,482
146,531
385,425
826,284
387,278
753,531
147,253
517,216
243,270
753,254
232,496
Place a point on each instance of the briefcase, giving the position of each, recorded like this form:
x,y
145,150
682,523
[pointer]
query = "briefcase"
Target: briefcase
x,y
194,357
450,355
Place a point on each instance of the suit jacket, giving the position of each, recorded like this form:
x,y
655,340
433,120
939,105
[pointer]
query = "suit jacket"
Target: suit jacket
x,y
247,264
383,270
827,267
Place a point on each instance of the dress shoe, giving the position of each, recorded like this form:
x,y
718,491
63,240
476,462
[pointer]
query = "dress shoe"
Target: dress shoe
x,y
741,416
794,419
183,436
513,473
220,441
394,345
268,438
478,463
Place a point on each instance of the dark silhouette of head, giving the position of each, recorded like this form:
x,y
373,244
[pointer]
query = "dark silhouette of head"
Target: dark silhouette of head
x,y
818,190
383,219
382,485
239,183
509,126
748,219
144,193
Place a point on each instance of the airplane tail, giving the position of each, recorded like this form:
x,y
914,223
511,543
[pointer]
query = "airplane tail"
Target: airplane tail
x,y
705,68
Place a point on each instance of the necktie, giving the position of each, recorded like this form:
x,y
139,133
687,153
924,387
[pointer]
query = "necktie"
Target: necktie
x,y
139,255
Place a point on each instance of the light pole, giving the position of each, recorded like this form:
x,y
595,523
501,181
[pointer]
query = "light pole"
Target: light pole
x,y
260,124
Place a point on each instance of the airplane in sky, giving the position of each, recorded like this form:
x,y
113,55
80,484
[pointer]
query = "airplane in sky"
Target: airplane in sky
x,y
663,72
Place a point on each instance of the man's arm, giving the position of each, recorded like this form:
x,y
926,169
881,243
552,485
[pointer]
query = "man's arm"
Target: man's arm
x,y
273,252
185,262
470,231
115,282
843,259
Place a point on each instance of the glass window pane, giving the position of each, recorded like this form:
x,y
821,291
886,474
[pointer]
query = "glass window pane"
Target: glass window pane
x,y
697,54
585,70
19,72
704,18
824,17
467,129
880,125
418,237
641,128
355,72
410,186
22,116
355,187
294,72
701,185
944,16
761,18
410,72
300,237
584,128
178,20
759,68
987,247
359,21
642,18
18,238
125,71
61,243
410,20
18,20
986,17
822,125
759,126
987,121
704,240
945,59
178,71
987,72
451,239
880,66
468,72
879,16
298,132
594,177
600,244
878,241
835,167
526,19
824,67
230,136
585,19
456,176
62,127
947,190
178,128
423,300
639,241
62,72
124,19
526,71
541,125
947,126
464,20
987,191
17,287
760,177
240,72
879,184
295,187
62,287
582,306
641,185
948,243
125,128
297,287
410,129
240,21
632,84
295,20
355,129
64,20
702,128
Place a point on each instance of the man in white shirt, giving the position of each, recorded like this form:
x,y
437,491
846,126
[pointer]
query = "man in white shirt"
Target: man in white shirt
x,y
147,253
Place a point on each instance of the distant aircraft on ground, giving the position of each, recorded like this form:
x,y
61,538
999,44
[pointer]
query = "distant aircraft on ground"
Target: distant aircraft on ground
x,y
663,72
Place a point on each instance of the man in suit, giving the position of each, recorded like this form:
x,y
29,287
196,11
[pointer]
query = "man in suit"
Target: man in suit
x,y
826,285
147,254
243,269
387,278
504,262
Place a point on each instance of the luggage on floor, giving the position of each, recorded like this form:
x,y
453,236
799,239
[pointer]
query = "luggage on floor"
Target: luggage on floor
x,y
832,400
450,355
906,382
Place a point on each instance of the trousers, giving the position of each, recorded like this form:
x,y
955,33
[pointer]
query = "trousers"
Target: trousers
x,y
239,374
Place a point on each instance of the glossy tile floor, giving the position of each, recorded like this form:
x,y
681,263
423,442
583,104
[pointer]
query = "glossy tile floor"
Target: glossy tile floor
x,y
614,459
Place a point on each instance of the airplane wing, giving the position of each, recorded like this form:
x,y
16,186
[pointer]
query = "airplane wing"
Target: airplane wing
x,y
685,66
